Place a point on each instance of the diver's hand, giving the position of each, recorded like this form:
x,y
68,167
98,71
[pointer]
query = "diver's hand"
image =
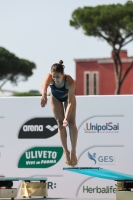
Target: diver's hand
x,y
43,100
65,122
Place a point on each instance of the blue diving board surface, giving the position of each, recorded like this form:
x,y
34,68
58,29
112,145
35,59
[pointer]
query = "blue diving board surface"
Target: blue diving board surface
x,y
22,179
101,173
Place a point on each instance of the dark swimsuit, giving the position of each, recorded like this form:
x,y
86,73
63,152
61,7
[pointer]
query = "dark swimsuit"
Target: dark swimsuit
x,y
59,93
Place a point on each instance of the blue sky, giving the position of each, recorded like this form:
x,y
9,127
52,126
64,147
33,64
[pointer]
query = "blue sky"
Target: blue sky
x,y
39,31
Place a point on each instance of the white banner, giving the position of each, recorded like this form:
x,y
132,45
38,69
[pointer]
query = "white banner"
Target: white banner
x,y
30,146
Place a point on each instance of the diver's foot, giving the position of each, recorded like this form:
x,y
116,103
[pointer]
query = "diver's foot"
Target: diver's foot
x,y
73,159
67,158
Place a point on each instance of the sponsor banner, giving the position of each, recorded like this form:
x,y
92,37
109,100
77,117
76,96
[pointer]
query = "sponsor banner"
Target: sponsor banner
x,y
40,157
94,189
31,147
101,156
101,124
102,128
38,128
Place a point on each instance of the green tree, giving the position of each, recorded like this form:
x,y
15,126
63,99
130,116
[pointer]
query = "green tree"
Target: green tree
x,y
112,23
22,94
14,69
29,93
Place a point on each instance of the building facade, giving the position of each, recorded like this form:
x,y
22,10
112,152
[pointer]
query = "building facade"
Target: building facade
x,y
96,76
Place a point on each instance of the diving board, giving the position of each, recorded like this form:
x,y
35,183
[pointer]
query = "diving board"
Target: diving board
x,y
101,173
124,181
28,184
22,179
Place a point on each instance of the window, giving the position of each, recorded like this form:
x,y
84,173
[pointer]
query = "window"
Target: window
x,y
91,80
87,83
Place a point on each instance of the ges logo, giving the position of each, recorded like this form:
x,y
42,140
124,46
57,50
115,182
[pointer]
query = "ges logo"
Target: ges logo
x,y
101,159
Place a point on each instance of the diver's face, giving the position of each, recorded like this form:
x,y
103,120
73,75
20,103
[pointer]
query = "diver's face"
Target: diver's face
x,y
57,77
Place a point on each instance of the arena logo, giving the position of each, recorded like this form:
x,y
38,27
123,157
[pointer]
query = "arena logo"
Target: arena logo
x,y
40,157
106,128
38,128
101,159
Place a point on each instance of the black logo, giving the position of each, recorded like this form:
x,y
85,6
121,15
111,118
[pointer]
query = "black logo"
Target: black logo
x,y
38,128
